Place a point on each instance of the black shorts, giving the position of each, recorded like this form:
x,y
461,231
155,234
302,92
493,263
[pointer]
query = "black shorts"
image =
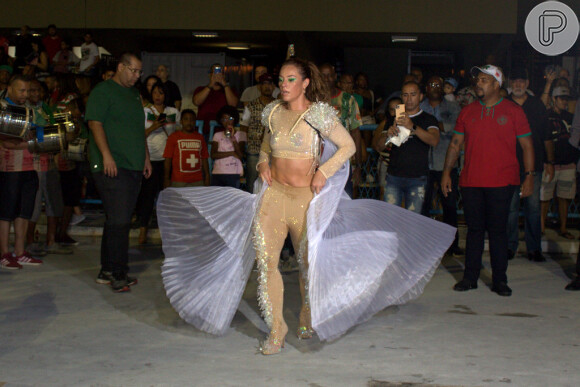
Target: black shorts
x,y
17,194
70,182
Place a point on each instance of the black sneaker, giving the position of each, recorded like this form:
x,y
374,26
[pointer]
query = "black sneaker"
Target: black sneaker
x,y
574,285
511,254
536,256
131,280
120,285
67,241
501,289
104,278
464,285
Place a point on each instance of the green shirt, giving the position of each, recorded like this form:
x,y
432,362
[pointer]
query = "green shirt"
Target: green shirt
x,y
120,111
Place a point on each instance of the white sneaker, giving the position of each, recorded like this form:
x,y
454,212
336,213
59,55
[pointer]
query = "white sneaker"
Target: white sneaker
x,y
76,219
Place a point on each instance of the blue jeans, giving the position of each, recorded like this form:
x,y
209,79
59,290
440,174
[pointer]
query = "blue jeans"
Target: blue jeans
x,y
412,189
119,195
532,216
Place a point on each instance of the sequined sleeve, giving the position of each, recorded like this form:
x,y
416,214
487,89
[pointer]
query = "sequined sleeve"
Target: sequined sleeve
x,y
346,148
265,150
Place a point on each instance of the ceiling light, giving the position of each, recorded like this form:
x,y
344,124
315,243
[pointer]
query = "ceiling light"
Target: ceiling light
x,y
238,46
200,34
403,38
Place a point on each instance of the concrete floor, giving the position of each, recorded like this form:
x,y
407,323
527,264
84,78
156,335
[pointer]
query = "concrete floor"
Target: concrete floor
x,y
59,328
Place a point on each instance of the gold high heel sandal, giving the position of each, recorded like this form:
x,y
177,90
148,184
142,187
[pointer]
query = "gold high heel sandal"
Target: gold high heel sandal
x,y
305,330
273,344
305,333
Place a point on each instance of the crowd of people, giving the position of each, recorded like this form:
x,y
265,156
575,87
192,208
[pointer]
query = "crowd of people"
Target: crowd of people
x,y
498,141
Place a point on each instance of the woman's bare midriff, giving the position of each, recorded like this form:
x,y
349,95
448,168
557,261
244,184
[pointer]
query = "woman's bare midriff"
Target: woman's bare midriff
x,y
292,172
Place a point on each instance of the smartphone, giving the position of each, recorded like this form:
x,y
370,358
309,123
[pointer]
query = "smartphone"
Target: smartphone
x,y
217,70
162,117
399,110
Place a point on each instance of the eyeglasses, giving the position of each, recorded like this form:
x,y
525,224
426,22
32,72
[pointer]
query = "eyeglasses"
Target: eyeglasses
x,y
134,71
435,84
228,119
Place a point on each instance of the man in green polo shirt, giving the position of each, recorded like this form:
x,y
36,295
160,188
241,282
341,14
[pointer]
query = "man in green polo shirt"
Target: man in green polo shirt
x,y
118,158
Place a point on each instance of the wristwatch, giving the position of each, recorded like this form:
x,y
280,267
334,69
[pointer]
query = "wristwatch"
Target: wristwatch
x,y
530,173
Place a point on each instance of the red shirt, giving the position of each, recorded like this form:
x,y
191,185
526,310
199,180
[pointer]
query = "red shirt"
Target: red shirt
x,y
52,45
207,111
490,143
187,150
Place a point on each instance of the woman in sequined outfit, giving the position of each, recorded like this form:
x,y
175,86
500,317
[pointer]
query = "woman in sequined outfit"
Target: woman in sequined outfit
x,y
289,165
357,257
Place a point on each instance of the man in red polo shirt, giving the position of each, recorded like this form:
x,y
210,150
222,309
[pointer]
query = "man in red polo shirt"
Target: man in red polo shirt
x,y
490,129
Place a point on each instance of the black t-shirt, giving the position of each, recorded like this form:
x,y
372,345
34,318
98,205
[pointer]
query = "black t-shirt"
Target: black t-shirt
x,y
560,124
173,93
537,116
411,159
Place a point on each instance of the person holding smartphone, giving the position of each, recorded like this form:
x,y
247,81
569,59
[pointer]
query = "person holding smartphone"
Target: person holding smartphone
x,y
228,150
160,123
211,98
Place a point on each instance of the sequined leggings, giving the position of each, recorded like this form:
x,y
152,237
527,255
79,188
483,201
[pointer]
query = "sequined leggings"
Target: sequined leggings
x,y
283,209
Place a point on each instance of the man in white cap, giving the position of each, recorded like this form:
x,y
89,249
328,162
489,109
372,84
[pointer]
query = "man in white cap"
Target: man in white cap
x,y
490,129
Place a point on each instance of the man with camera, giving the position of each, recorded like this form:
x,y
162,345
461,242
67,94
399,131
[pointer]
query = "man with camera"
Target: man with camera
x,y
211,98
409,164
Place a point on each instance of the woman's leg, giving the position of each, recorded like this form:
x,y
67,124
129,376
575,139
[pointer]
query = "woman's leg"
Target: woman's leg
x,y
270,230
296,218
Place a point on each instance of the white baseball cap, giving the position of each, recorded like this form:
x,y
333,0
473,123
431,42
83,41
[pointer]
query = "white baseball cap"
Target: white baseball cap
x,y
489,70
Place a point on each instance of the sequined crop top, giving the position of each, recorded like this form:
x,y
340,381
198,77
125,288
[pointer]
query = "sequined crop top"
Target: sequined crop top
x,y
289,135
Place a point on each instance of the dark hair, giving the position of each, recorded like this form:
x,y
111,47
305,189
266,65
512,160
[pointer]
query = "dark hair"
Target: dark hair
x,y
394,99
78,101
51,26
143,87
317,90
412,83
126,57
230,111
39,43
42,86
390,119
161,86
18,77
66,85
361,74
188,111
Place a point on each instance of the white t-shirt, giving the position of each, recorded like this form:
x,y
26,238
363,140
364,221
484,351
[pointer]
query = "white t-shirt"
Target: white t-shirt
x,y
158,138
88,54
